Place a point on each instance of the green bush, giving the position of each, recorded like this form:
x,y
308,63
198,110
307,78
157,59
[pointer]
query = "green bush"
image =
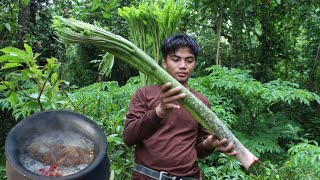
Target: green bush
x,y
2,164
304,162
106,103
256,113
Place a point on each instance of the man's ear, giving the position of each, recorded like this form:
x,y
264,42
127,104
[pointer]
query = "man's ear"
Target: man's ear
x,y
164,63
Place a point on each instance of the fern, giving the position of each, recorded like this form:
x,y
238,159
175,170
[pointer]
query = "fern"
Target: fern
x,y
271,92
225,168
255,108
220,104
304,162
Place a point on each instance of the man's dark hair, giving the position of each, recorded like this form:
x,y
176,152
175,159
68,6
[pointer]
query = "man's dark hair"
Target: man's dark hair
x,y
174,42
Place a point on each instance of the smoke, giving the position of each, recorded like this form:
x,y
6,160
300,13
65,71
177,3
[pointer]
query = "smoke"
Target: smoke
x,y
64,138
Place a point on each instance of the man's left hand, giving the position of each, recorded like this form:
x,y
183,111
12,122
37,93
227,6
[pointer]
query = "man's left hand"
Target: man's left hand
x,y
213,143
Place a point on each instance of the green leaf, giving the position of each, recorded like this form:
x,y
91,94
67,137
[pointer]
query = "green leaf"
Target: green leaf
x,y
12,59
7,25
15,52
54,77
50,94
9,84
117,153
114,138
3,87
13,98
11,65
36,55
34,105
94,6
106,15
26,2
28,49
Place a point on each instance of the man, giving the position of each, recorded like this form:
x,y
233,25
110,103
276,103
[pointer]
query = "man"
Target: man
x,y
167,139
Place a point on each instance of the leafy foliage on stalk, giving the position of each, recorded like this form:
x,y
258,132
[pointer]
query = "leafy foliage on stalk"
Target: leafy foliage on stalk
x,y
150,23
304,162
28,87
220,166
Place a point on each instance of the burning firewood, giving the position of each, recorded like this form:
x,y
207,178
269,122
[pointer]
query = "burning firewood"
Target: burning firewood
x,y
47,153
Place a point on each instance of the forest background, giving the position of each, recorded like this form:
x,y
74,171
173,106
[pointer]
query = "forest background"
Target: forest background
x,y
259,66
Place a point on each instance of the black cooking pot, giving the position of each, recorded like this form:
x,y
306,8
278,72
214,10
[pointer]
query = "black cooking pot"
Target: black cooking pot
x,y
58,120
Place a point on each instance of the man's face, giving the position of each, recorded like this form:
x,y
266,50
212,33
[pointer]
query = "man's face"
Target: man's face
x,y
180,64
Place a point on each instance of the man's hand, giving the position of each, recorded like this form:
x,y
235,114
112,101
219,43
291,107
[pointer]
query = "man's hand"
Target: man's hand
x,y
168,98
213,143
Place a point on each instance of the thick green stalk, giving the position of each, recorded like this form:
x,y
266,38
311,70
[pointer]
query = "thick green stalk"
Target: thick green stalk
x,y
72,31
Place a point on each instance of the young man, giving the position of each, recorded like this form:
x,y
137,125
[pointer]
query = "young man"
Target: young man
x,y
167,139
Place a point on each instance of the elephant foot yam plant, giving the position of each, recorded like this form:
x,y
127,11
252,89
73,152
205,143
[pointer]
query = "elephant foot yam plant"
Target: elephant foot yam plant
x,y
73,31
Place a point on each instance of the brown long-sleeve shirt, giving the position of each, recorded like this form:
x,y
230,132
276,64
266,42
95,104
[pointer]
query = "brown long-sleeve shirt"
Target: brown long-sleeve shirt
x,y
171,144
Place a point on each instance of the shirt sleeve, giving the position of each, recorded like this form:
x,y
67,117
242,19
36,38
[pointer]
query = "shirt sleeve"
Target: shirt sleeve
x,y
202,135
140,121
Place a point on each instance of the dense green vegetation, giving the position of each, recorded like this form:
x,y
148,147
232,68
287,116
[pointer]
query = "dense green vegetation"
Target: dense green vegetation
x,y
259,67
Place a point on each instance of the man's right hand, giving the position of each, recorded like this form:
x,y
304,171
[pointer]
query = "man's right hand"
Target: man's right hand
x,y
168,98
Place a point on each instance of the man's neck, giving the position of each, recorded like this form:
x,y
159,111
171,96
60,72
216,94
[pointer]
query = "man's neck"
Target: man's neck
x,y
186,85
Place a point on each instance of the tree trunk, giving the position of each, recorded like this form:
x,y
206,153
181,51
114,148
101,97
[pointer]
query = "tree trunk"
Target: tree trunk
x,y
26,17
218,58
234,40
251,59
313,78
266,45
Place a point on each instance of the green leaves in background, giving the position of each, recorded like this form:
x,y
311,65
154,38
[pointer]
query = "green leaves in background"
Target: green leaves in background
x,y
26,84
253,111
240,81
25,2
8,26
